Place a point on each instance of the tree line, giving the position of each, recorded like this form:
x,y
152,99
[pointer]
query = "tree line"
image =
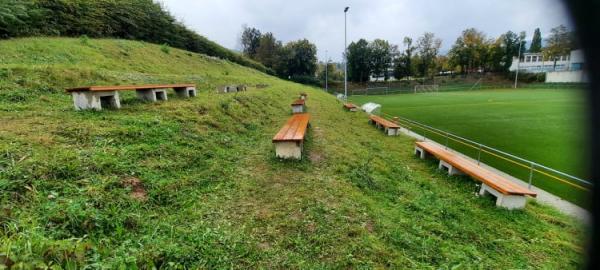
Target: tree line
x,y
472,51
143,20
295,60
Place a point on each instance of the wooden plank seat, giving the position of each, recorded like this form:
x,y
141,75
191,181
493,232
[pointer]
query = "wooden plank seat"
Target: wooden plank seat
x,y
350,107
508,193
298,106
289,141
97,97
390,128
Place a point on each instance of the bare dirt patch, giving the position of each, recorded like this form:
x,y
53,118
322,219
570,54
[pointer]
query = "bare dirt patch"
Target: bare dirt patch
x,y
137,188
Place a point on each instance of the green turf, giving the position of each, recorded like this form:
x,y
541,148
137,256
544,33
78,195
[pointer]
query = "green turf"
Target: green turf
x,y
541,125
215,196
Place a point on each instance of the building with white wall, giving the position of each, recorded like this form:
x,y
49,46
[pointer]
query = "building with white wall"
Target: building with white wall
x,y
535,63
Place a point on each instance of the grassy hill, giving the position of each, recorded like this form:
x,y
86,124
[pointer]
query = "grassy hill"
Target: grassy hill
x,y
194,183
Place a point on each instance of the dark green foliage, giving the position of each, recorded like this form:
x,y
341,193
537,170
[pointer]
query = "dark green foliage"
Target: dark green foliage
x,y
359,58
130,19
536,42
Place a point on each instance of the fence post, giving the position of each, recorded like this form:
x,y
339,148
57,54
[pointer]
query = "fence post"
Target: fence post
x,y
530,174
479,155
446,140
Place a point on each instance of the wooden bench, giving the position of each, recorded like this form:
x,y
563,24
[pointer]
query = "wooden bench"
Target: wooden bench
x,y
298,106
289,141
351,107
390,128
98,97
508,193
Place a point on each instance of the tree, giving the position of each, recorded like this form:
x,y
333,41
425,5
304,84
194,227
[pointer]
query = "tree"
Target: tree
x,y
403,64
359,64
250,40
536,42
428,47
267,51
302,60
380,53
558,43
470,50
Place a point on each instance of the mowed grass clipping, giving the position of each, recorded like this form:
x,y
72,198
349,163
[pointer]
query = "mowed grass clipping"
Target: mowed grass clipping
x,y
193,183
544,126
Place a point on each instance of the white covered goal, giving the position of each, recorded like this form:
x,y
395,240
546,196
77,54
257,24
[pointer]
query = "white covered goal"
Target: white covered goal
x,y
426,88
371,108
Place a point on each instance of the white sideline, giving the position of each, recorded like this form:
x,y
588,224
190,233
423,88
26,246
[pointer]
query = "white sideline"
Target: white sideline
x,y
543,196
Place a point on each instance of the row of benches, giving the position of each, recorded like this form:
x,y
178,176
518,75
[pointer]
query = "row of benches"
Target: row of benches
x,y
508,194
98,97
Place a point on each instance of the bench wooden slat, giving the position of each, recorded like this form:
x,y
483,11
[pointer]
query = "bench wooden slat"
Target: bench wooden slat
x,y
128,87
479,173
298,102
384,122
294,129
350,106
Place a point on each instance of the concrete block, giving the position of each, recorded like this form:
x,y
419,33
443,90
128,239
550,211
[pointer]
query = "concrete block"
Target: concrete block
x,y
186,92
420,152
96,100
298,108
152,95
451,169
288,150
502,200
392,131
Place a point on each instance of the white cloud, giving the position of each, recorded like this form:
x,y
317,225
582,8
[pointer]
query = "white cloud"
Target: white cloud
x,y
322,22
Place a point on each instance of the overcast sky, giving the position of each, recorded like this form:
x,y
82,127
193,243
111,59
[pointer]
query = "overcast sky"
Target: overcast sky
x,y
322,21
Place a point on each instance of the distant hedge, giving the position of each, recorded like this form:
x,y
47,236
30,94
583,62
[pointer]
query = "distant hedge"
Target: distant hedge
x,y
128,19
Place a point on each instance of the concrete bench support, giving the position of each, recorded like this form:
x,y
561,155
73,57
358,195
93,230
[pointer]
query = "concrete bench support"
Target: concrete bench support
x,y
502,200
451,169
152,95
421,153
289,150
298,108
96,100
392,131
185,92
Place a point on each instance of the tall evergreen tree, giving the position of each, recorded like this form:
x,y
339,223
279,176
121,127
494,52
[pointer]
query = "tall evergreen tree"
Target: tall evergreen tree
x,y
536,42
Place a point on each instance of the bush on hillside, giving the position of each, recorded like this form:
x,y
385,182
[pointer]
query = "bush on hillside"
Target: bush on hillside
x,y
128,19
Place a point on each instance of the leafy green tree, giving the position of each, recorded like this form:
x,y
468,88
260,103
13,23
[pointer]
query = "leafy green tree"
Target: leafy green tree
x,y
250,40
403,66
559,43
428,47
536,42
380,54
268,50
359,61
470,50
303,58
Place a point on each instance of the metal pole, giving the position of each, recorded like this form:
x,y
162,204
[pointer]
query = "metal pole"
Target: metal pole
x,y
530,174
326,68
518,61
446,140
479,155
345,58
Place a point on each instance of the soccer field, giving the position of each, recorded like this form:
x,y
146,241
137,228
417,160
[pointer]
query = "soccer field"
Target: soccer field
x,y
541,125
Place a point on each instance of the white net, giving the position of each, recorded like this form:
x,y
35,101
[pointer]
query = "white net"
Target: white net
x,y
426,88
371,108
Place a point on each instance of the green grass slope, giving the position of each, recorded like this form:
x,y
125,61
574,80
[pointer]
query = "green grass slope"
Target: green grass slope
x,y
194,182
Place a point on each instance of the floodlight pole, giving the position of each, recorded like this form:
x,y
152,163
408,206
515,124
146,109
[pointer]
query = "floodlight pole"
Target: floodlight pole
x,y
518,61
345,57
